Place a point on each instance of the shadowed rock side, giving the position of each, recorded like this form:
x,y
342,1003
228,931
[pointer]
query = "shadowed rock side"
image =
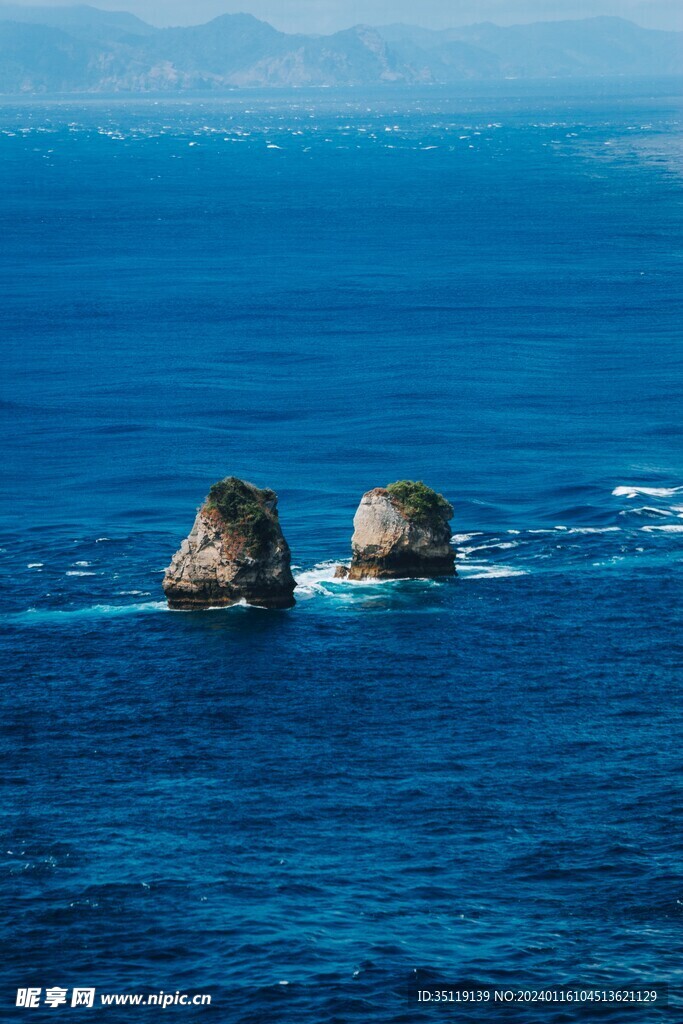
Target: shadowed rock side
x,y
235,551
401,530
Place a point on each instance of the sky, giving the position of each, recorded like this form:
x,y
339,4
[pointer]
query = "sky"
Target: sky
x,y
331,15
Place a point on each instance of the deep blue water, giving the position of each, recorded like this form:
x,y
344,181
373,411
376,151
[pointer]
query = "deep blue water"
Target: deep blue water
x,y
479,778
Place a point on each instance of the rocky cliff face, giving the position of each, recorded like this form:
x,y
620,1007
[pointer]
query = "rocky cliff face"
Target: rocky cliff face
x,y
400,531
235,551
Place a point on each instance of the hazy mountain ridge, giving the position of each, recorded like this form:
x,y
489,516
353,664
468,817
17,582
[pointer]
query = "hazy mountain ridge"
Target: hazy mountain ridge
x,y
84,49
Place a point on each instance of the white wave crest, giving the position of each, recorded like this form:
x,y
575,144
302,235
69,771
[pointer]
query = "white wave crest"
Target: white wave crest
x,y
669,528
489,572
653,492
646,510
311,581
242,603
495,546
318,580
595,529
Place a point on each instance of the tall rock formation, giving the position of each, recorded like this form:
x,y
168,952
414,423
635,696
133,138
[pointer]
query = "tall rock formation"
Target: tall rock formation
x,y
235,551
399,531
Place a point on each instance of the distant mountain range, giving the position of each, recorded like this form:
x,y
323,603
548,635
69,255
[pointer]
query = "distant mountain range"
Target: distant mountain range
x,y
87,50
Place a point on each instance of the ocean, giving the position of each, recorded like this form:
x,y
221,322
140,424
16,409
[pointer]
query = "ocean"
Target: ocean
x,y
475,780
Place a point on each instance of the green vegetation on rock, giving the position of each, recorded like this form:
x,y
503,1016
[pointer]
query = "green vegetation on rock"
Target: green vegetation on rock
x,y
418,502
244,507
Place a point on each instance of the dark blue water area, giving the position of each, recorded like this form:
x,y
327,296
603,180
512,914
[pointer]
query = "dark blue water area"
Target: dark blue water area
x,y
478,779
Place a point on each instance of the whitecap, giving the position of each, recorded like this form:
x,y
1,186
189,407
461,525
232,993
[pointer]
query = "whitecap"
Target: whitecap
x,y
595,529
80,572
646,510
310,580
35,565
500,546
653,492
462,538
317,580
669,528
484,572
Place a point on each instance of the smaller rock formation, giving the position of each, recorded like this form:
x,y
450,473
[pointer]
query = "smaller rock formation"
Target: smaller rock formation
x,y
399,531
235,551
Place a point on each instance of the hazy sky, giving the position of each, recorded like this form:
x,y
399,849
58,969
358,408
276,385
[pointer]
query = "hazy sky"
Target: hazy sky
x,y
330,15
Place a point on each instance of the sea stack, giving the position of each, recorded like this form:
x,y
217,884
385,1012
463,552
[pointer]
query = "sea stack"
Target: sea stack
x,y
400,531
235,551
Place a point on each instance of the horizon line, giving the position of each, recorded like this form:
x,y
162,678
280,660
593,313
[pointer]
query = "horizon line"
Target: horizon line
x,y
317,34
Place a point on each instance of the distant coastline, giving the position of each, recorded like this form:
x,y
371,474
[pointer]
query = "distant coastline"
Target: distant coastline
x,y
84,50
